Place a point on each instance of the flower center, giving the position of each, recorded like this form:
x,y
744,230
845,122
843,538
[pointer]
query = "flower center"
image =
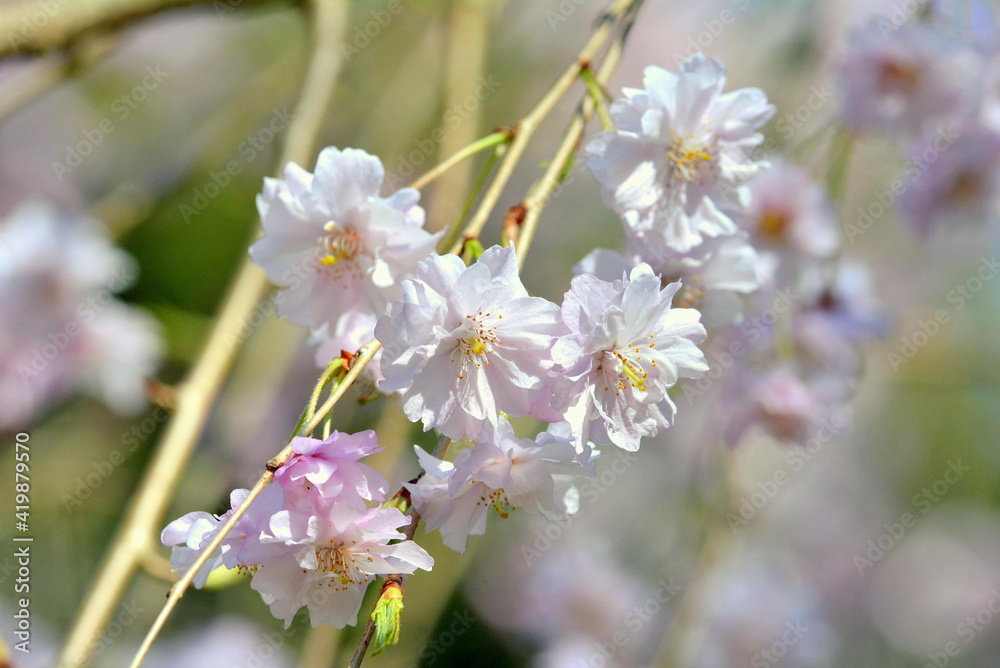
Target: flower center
x,y
691,159
478,344
691,294
341,564
341,244
629,368
897,76
965,186
773,224
497,498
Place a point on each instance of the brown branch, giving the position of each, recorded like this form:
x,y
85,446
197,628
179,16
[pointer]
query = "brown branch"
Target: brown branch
x,y
526,128
209,371
33,27
536,200
517,216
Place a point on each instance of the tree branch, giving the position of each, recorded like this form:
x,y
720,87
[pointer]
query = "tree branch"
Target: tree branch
x,y
526,128
205,379
33,27
364,356
540,193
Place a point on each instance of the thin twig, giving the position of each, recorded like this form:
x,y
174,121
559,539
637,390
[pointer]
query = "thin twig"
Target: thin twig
x,y
489,141
455,229
598,95
44,74
542,191
205,379
526,128
364,356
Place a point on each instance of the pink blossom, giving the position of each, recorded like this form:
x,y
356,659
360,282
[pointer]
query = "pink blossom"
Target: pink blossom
x,y
789,215
715,275
330,469
501,471
625,349
682,154
326,562
333,242
904,78
466,343
961,184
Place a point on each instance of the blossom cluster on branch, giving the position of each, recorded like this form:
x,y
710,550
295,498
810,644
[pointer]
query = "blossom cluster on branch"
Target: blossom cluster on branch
x,y
466,348
732,255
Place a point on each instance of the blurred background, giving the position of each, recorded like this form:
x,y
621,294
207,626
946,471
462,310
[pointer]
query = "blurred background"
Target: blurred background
x,y
876,545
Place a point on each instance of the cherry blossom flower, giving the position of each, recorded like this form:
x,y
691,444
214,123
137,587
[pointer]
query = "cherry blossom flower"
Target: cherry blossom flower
x,y
682,153
713,276
625,349
309,540
327,561
836,318
790,215
333,242
61,327
503,472
466,343
962,183
760,600
787,405
331,469
902,79
190,534
353,331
